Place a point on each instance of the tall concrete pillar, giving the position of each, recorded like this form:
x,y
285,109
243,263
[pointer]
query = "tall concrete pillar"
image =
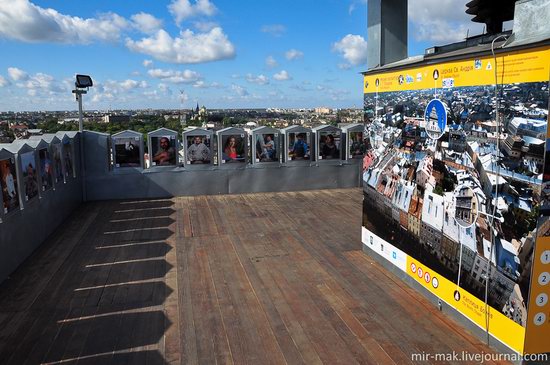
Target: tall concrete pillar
x,y
387,31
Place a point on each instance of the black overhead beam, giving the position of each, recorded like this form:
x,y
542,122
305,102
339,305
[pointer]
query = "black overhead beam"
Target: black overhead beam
x,y
491,12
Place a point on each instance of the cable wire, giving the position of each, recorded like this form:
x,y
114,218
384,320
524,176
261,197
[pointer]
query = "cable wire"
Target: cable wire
x,y
492,217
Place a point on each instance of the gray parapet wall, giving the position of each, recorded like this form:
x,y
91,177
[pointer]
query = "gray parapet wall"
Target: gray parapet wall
x,y
103,183
22,231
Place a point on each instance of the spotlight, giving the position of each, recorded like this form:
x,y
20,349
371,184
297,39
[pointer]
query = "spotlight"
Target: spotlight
x,y
83,81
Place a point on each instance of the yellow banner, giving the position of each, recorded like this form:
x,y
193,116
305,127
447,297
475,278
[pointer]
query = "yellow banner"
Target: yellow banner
x,y
538,321
501,327
513,67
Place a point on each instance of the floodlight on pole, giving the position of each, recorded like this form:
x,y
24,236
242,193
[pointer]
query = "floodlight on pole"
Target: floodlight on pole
x,y
81,86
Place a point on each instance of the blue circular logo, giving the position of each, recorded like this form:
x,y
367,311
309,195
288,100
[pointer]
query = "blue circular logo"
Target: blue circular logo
x,y
435,118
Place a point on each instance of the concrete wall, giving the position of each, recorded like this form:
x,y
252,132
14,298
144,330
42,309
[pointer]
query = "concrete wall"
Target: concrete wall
x,y
23,231
161,182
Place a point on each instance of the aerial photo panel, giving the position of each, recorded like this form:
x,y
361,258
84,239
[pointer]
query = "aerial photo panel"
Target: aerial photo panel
x,y
440,172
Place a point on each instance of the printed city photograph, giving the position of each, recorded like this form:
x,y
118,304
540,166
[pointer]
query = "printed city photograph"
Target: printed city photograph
x,y
471,188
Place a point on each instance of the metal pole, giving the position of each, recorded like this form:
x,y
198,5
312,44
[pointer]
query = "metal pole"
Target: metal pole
x,y
80,116
79,94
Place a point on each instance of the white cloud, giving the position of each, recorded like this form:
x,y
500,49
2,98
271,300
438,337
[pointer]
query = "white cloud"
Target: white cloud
x,y
133,84
205,26
200,85
22,20
271,62
282,76
275,30
187,48
17,74
38,83
4,81
260,79
450,25
164,88
184,9
146,23
162,91
117,91
175,77
294,54
353,48
147,63
204,85
239,90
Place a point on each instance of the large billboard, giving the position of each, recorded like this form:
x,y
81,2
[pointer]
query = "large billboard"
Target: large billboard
x,y
453,188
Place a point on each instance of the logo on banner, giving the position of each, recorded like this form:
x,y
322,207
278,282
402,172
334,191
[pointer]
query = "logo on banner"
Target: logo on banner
x,y
401,79
457,295
448,83
477,64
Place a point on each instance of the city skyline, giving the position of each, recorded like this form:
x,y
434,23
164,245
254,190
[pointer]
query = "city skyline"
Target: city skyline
x,y
173,54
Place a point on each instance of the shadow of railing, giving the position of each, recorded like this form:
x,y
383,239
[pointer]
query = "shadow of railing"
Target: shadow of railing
x,y
105,303
152,357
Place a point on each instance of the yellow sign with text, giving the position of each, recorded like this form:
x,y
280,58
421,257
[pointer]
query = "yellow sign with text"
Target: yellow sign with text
x,y
512,67
538,320
501,327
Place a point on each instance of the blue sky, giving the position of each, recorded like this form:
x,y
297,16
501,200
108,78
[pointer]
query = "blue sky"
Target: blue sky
x,y
220,53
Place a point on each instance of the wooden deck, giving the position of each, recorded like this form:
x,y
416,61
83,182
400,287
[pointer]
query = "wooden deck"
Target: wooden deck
x,y
241,279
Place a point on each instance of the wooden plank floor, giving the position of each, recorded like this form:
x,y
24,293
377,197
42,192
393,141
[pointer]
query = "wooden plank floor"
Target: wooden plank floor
x,y
236,279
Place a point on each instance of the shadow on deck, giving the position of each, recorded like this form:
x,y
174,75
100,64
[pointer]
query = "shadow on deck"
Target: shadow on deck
x,y
258,278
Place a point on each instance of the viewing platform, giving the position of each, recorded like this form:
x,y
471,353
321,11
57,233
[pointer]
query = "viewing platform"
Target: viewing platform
x,y
265,278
